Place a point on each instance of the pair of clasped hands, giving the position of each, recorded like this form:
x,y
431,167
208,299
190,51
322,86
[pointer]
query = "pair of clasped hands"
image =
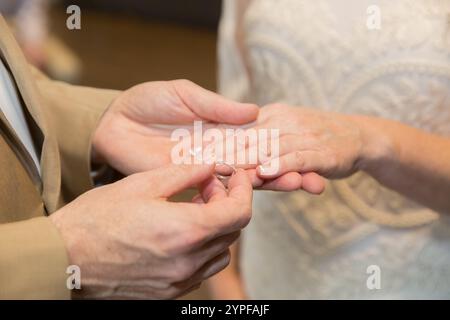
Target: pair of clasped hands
x,y
130,241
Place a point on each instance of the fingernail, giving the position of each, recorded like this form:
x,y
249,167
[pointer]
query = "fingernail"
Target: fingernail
x,y
263,169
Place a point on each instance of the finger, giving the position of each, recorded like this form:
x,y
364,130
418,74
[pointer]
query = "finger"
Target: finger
x,y
293,142
209,269
212,190
224,169
197,199
211,106
140,291
171,179
233,212
290,181
313,183
189,290
212,249
264,151
240,187
249,157
310,182
194,262
298,161
254,179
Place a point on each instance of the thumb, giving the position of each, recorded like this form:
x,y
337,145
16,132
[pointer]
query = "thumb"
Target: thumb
x,y
213,107
169,180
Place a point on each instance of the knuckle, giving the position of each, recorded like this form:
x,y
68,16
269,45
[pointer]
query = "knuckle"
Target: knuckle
x,y
179,290
186,241
333,161
227,258
178,238
330,164
225,261
299,159
164,285
133,184
169,293
184,269
245,214
194,287
183,82
193,237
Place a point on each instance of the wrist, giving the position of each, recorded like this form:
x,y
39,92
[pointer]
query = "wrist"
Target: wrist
x,y
55,219
67,233
376,144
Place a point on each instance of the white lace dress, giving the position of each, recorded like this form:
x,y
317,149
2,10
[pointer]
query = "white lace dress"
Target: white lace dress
x,y
321,53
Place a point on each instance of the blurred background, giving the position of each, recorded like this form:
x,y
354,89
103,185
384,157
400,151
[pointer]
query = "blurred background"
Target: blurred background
x,y
121,43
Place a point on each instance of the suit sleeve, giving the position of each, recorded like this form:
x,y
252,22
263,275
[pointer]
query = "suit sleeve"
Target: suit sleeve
x,y
33,258
39,271
74,113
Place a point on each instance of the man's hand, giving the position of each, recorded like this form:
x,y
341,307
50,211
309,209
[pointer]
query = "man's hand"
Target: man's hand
x,y
128,137
130,242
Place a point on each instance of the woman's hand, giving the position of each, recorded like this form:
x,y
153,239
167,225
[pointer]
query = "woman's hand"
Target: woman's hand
x,y
330,144
410,161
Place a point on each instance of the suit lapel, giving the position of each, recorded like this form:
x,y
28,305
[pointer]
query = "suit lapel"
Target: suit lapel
x,y
50,162
9,134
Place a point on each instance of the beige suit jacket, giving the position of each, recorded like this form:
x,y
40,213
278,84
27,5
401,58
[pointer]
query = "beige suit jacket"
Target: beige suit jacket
x,y
61,117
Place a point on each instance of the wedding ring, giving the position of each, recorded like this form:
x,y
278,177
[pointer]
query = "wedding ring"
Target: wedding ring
x,y
223,177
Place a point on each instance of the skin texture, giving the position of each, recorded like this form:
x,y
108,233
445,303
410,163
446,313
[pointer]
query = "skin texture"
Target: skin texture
x,y
407,160
130,242
128,140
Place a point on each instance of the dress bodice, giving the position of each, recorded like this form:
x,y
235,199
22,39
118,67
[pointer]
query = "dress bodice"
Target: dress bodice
x,y
322,54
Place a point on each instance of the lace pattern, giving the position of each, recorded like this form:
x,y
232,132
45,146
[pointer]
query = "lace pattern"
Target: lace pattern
x,y
301,52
